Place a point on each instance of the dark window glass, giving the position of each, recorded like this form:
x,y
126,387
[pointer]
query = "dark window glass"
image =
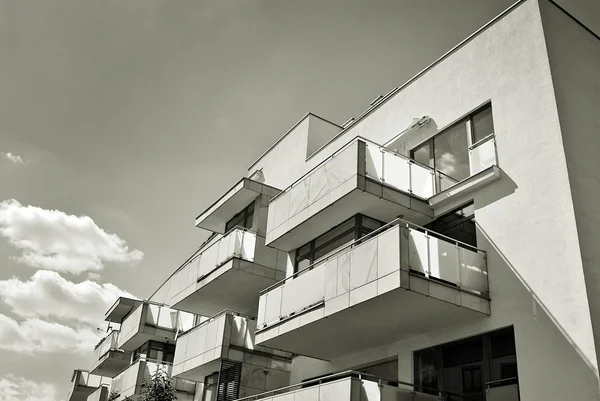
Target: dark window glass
x,y
459,367
508,371
448,151
451,152
482,124
458,224
472,380
242,219
423,155
334,240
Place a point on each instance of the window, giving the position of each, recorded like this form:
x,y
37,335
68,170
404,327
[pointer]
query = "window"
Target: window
x,y
242,219
463,367
482,124
458,224
448,151
223,385
334,240
156,351
472,381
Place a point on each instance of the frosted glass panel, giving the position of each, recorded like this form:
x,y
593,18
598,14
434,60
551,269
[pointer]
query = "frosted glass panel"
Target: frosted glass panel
x,y
418,257
473,270
304,290
443,260
483,156
396,171
374,165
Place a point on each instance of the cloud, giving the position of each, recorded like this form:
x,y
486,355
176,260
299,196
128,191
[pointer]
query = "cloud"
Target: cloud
x,y
38,336
13,388
54,240
13,158
47,294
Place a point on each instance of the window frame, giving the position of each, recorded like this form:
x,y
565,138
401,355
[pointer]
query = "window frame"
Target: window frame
x,y
358,229
245,217
467,120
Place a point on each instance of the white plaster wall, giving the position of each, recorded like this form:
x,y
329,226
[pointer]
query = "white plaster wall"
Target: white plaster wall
x,y
320,131
304,367
536,274
575,64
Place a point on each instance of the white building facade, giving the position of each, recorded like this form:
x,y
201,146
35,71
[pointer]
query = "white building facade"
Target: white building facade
x,y
442,245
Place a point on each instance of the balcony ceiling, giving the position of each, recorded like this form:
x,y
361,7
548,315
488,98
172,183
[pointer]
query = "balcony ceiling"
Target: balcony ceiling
x,y
391,317
236,199
376,201
121,309
235,289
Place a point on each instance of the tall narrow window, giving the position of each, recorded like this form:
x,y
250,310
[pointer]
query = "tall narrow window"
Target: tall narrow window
x,y
242,219
482,124
335,239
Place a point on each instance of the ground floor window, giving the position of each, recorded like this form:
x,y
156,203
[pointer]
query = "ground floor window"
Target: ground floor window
x,y
463,367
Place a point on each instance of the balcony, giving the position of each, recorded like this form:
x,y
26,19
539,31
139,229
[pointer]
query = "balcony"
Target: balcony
x,y
228,274
200,351
100,394
367,178
353,386
108,359
150,321
83,384
399,281
361,177
245,191
130,382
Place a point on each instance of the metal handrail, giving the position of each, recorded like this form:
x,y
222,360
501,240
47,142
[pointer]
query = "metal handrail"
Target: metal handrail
x,y
344,375
112,333
368,236
216,316
343,147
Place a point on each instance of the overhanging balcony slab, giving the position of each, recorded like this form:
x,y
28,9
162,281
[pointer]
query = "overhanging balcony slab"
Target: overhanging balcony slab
x,y
111,363
357,195
400,281
121,308
466,186
236,288
228,274
389,317
237,198
152,322
361,177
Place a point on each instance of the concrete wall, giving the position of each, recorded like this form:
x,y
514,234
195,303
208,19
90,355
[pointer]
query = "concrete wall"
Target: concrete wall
x,y
526,220
574,56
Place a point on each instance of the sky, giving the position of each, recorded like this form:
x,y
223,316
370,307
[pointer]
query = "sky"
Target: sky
x,y
121,121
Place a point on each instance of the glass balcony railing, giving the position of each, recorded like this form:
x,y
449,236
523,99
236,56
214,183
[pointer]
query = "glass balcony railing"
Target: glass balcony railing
x,y
152,321
239,256
131,381
396,182
400,245
238,243
111,341
100,394
200,349
354,386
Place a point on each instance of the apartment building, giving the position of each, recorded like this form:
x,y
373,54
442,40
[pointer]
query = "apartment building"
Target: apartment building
x,y
440,246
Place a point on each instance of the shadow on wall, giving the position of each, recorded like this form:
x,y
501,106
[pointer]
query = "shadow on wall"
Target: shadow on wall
x,y
548,357
497,190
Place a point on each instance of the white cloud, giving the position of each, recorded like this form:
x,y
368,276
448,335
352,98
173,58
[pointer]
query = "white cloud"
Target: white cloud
x,y
54,240
47,294
38,336
13,388
13,158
